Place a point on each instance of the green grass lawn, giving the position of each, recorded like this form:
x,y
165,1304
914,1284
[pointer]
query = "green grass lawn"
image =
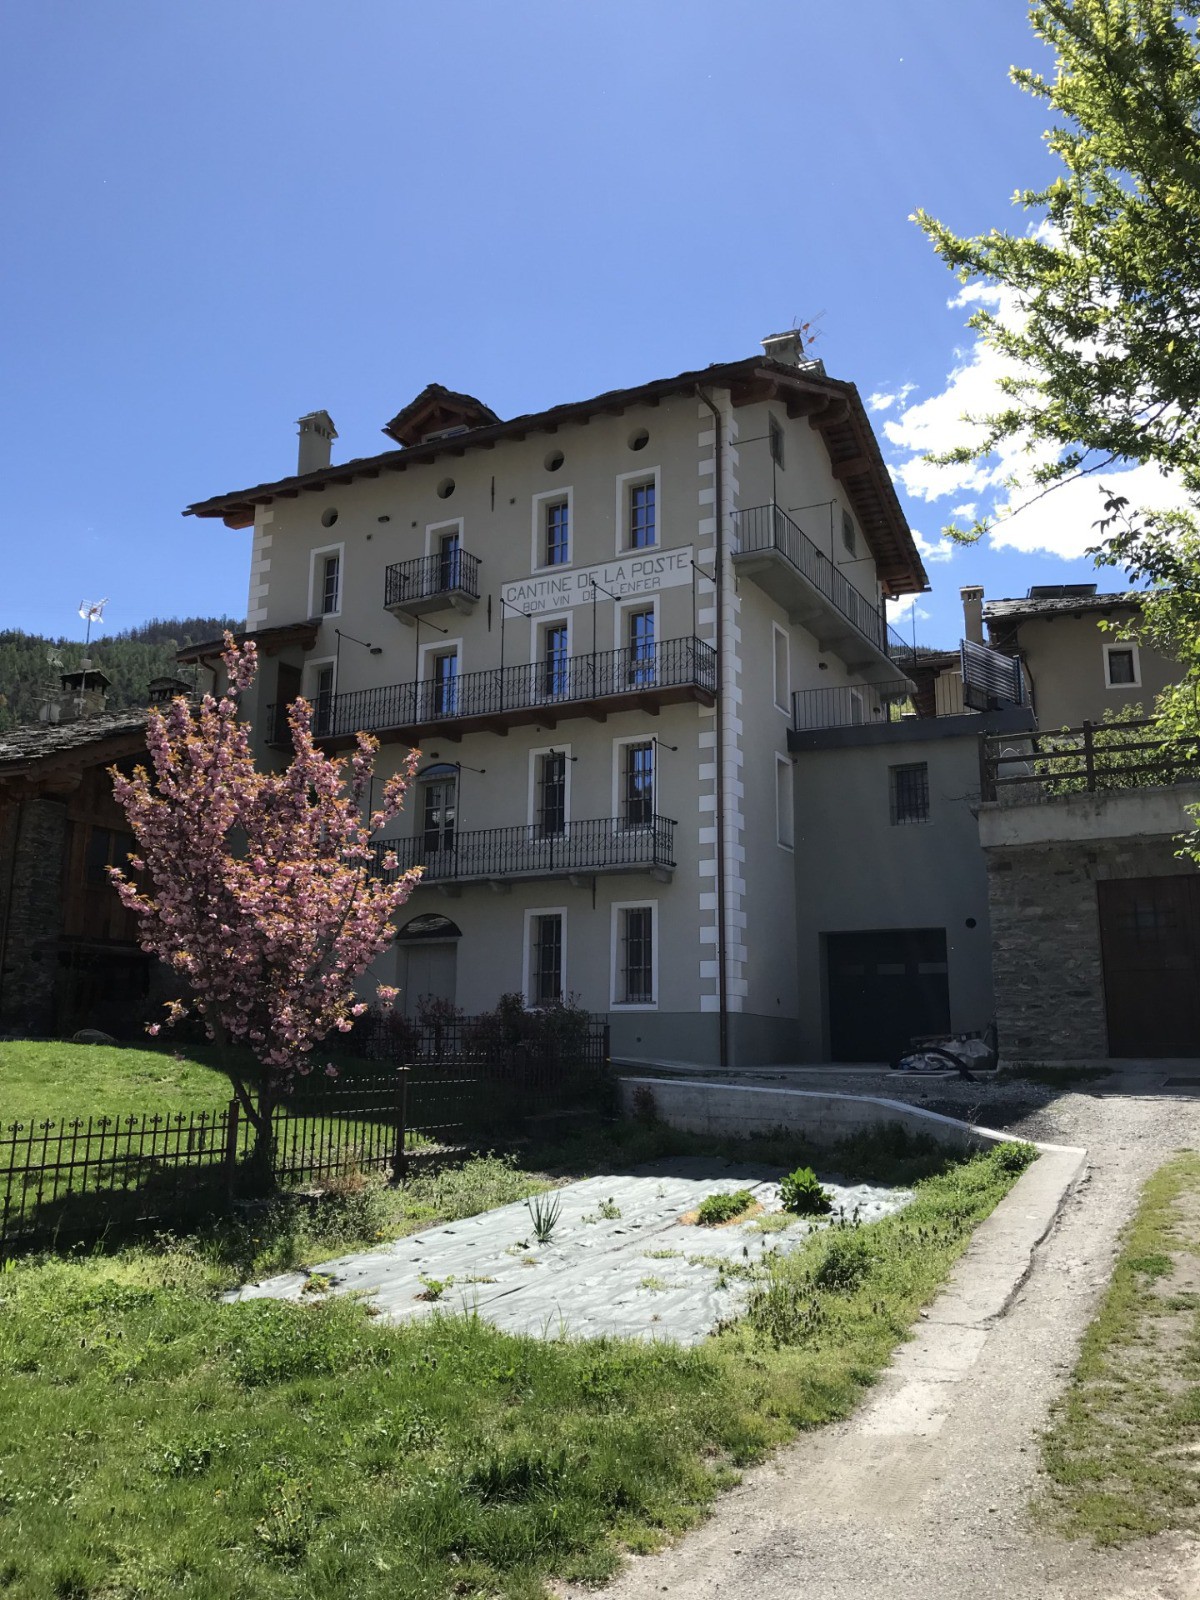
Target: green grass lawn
x,y
1122,1451
56,1080
156,1442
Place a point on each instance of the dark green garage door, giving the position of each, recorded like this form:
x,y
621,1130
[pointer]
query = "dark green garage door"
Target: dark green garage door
x,y
886,987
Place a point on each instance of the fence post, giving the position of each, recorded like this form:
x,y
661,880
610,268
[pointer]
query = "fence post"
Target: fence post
x,y
1089,758
232,1117
987,789
400,1152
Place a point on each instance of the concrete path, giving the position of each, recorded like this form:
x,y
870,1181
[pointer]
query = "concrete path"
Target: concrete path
x,y
925,1492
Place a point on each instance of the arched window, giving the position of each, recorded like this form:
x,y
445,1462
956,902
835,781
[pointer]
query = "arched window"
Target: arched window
x,y
439,806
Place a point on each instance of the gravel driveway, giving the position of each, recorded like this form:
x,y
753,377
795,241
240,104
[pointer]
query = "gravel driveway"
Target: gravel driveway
x,y
844,1515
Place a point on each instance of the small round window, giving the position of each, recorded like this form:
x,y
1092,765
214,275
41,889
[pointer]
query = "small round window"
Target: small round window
x,y
445,489
639,439
554,460
329,517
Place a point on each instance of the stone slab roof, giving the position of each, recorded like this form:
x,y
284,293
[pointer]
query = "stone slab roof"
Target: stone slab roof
x,y
1074,605
35,742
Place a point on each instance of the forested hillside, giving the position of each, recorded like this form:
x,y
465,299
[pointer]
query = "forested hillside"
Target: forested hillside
x,y
130,659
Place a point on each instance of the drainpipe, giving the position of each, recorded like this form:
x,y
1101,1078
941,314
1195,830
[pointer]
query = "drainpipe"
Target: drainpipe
x,y
719,574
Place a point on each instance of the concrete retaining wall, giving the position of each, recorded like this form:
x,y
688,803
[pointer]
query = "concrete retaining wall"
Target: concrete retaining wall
x,y
737,1111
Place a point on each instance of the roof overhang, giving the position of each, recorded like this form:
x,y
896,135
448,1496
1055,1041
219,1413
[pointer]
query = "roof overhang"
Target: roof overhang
x,y
32,774
269,642
834,409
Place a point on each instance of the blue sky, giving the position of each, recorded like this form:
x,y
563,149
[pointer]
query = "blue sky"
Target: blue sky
x,y
220,216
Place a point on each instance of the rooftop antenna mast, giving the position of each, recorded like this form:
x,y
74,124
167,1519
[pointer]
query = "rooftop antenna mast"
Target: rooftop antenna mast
x,y
91,611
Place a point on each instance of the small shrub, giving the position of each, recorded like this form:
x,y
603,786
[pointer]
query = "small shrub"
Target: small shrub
x,y
718,1208
433,1288
801,1192
846,1261
1013,1155
645,1106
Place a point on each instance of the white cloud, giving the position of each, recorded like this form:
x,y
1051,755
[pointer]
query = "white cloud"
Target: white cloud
x,y
882,401
1001,487
941,550
904,606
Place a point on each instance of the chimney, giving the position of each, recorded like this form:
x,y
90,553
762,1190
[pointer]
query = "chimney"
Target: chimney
x,y
83,693
972,604
317,434
786,347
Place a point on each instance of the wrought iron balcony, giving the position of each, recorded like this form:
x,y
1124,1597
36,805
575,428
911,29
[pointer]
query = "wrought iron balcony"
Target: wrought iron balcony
x,y
531,851
431,583
851,705
784,561
541,692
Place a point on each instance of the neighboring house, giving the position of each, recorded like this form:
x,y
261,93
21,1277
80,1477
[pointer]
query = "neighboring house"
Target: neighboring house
x,y
592,620
69,954
1068,638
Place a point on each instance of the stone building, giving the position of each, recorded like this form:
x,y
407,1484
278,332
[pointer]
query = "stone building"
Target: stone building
x,y
68,951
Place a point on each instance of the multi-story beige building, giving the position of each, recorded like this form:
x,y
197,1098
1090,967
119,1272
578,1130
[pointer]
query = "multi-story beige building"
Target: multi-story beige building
x,y
591,621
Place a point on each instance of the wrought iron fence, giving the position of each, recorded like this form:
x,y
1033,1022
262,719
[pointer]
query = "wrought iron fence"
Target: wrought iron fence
x,y
770,528
446,572
1092,758
415,1091
600,845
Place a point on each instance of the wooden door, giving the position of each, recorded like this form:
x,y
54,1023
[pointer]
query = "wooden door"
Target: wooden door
x,y
1150,941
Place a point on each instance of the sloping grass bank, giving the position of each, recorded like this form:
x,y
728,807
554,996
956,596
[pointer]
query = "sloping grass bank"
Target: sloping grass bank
x,y
1123,1451
155,1442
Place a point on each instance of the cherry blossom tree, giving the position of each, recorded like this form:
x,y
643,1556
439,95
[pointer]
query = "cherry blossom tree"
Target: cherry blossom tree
x,y
254,888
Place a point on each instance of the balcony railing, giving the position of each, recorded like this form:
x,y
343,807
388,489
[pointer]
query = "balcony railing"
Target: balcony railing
x,y
1090,759
530,851
765,528
443,575
858,705
520,693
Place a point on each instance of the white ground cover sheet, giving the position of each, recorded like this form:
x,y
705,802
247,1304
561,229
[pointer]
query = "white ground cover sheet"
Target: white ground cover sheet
x,y
642,1274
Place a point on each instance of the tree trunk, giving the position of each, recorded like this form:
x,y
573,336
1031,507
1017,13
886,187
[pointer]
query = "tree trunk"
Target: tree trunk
x,y
260,1169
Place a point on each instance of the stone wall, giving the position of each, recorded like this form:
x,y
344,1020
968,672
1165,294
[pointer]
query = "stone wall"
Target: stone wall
x,y
1046,962
31,871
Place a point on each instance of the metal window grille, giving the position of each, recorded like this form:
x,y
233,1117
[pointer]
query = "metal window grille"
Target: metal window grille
x,y
329,585
323,709
637,955
547,959
642,530
910,793
639,784
558,534
555,658
552,794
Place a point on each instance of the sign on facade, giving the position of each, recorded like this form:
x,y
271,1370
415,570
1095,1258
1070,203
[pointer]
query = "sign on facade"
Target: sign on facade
x,y
642,573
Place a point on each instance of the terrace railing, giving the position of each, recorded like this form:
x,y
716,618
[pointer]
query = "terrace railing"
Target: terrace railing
x,y
536,685
860,705
761,528
446,572
600,845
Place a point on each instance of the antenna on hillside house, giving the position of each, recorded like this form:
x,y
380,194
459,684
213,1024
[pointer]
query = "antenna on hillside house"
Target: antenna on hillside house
x,y
91,611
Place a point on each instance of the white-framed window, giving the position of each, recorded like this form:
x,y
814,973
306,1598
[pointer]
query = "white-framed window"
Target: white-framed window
x,y
325,581
785,802
320,688
544,968
550,790
635,785
638,510
552,521
634,959
443,550
1122,665
441,667
550,646
782,663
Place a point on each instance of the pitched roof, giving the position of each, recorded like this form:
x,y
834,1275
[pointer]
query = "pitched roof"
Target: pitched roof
x,y
268,640
1070,605
834,409
434,410
25,748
